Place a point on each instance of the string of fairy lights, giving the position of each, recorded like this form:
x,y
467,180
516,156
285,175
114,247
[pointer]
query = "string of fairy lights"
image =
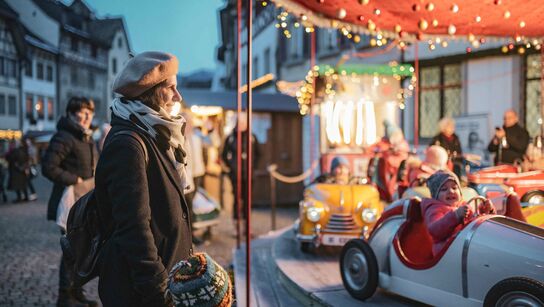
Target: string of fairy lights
x,y
330,76
303,17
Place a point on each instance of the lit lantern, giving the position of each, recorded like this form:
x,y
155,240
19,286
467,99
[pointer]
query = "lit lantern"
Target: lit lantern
x,y
454,8
423,24
341,14
507,14
429,6
451,30
434,23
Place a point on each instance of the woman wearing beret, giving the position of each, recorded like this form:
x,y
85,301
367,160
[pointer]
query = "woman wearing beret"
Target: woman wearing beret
x,y
140,185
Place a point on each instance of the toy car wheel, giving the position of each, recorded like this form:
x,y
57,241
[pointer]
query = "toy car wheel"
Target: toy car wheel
x,y
534,197
517,291
359,269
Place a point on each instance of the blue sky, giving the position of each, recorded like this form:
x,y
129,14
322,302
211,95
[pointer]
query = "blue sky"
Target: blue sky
x,y
186,28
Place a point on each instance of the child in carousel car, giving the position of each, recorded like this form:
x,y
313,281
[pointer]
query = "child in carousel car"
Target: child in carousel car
x,y
446,213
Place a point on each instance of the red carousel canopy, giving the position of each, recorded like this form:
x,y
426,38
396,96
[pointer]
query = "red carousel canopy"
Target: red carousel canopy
x,y
436,17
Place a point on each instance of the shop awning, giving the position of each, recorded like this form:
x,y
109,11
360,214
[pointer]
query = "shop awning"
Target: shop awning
x,y
261,102
485,17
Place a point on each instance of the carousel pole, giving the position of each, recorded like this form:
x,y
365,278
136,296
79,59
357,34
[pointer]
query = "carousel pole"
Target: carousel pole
x,y
249,150
541,95
416,95
238,191
312,124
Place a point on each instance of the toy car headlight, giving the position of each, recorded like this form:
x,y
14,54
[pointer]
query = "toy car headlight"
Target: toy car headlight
x,y
369,215
313,214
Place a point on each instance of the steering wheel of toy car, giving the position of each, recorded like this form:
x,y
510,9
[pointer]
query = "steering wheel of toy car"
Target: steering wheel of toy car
x,y
477,199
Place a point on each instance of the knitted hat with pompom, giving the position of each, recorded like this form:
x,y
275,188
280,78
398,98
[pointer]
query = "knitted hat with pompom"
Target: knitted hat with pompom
x,y
199,281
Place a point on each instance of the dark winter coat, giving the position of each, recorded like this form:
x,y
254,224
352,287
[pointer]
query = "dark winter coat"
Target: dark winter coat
x,y
518,141
143,204
451,145
230,150
19,168
71,154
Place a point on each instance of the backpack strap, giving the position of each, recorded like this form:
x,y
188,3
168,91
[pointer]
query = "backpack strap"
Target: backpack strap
x,y
137,137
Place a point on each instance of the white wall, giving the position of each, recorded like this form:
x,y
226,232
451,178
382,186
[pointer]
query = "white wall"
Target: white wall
x,y
36,20
121,54
493,86
265,39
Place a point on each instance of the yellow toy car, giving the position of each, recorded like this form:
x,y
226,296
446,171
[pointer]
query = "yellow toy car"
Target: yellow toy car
x,y
332,214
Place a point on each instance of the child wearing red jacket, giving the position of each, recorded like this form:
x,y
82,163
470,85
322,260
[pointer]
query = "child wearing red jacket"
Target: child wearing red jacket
x,y
446,213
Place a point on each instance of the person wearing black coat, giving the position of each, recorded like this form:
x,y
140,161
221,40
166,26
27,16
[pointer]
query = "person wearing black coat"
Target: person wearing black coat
x,y
447,137
140,185
229,157
19,168
70,160
510,142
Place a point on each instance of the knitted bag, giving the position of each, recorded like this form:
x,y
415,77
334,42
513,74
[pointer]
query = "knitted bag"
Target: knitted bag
x,y
199,281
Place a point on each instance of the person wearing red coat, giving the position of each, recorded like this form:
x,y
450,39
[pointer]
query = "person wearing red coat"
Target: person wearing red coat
x,y
446,213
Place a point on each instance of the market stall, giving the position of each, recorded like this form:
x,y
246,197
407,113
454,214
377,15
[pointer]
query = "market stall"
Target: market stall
x,y
356,104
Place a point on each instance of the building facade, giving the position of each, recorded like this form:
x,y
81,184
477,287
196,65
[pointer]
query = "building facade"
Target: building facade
x,y
12,58
91,50
39,86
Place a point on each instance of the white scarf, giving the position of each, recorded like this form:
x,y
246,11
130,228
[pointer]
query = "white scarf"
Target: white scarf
x,y
161,127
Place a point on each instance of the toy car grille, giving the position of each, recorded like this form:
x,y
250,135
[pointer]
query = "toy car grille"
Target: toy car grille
x,y
341,223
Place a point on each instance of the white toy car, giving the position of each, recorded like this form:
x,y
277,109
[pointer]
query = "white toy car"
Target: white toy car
x,y
493,261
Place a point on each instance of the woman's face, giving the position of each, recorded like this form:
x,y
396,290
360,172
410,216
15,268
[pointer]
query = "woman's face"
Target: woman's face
x,y
84,117
169,95
449,193
448,130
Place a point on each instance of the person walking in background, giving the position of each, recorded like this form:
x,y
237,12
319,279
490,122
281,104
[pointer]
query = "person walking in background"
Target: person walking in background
x,y
3,172
33,158
447,138
141,179
69,163
228,156
510,141
19,168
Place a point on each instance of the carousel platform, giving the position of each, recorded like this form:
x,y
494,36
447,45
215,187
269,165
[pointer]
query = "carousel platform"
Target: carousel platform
x,y
281,275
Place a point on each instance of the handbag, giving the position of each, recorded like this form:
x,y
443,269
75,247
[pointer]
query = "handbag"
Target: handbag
x,y
65,204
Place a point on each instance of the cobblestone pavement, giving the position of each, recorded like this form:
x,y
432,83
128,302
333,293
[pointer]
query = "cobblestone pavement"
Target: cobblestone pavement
x,y
30,251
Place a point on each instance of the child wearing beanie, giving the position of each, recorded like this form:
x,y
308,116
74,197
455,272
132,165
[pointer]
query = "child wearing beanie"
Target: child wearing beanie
x,y
446,213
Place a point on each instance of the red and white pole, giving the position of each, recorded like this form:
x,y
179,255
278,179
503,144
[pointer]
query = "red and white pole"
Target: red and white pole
x,y
249,149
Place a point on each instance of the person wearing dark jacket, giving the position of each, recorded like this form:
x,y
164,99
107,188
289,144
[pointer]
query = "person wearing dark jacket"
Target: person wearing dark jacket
x,y
70,160
510,142
447,137
229,157
141,180
19,169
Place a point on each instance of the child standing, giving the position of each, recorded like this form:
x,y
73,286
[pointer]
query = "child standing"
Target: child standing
x,y
446,213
